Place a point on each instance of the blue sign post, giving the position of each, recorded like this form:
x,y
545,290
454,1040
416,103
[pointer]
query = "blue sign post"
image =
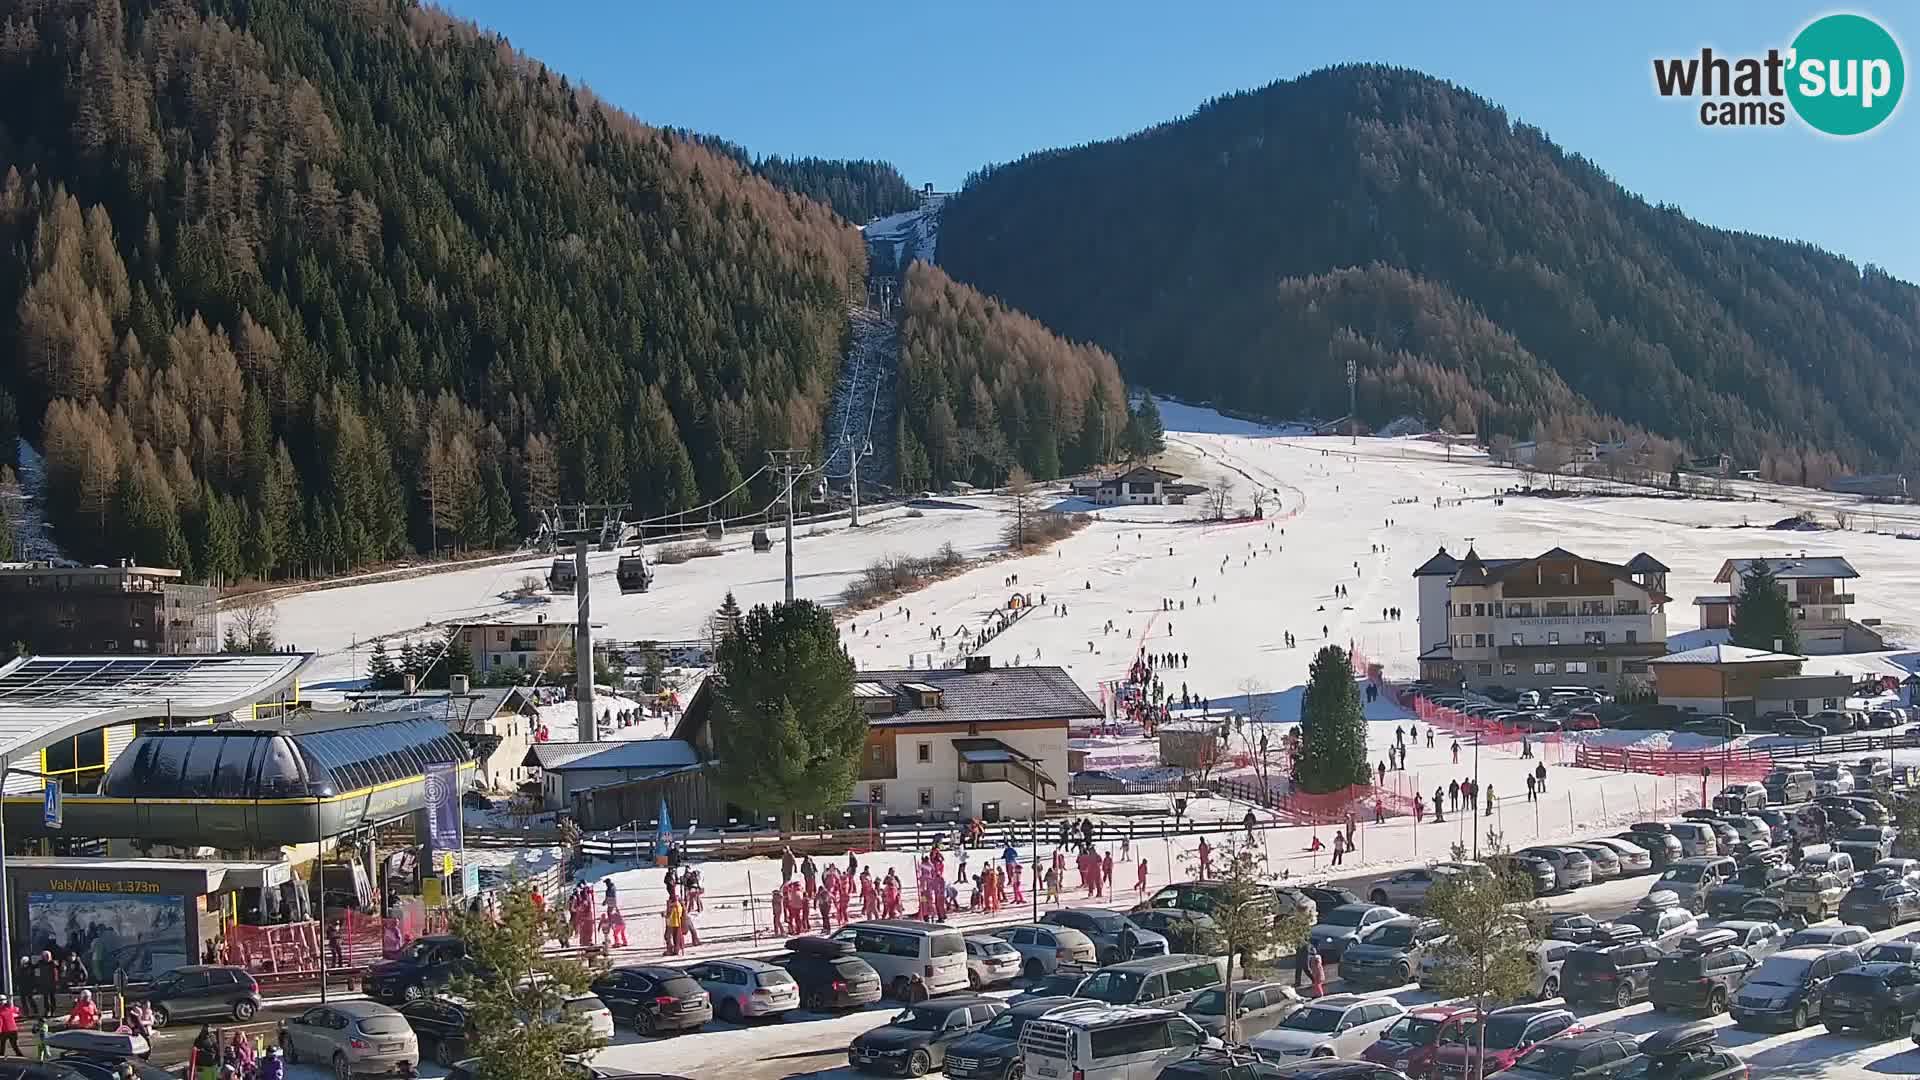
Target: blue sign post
x,y
52,812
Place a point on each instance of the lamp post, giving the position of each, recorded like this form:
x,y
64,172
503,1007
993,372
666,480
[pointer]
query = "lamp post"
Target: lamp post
x,y
320,901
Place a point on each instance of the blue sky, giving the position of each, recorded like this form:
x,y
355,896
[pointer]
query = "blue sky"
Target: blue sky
x,y
940,89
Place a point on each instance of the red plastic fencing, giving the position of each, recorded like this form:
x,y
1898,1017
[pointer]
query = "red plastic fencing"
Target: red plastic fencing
x,y
1490,732
1747,765
1326,808
294,947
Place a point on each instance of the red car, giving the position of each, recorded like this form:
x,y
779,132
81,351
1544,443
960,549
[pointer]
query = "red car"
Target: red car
x,y
1410,1043
1510,1032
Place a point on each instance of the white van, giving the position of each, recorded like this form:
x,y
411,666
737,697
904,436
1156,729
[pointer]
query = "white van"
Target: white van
x,y
1161,982
1120,1043
915,959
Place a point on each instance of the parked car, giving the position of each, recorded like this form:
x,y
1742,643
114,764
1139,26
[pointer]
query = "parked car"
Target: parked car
x,y
443,1028
1344,925
1114,936
1327,897
1872,810
1185,931
1220,1063
1660,921
204,992
1407,890
1697,838
1685,1052
1390,951
88,1055
1752,834
1160,982
1510,1033
1616,974
356,1038
993,1052
1098,782
1410,1043
990,962
1663,847
740,989
915,1041
1907,870
654,998
1571,868
1605,860
1832,779
1338,1025
1634,859
1894,952
829,976
1260,1005
1836,721
1741,798
915,959
1753,880
1830,937
1045,948
1693,877
1880,997
1881,907
1108,1043
1799,728
1868,844
1591,1055
1575,926
426,964
1837,863
1702,973
1784,990
1059,984
1789,783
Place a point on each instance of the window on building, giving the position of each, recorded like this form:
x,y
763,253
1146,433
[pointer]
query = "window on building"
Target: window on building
x,y
1481,641
877,753
1479,610
1633,667
924,752
1576,667
1594,637
1633,636
877,794
1519,639
1558,607
1509,669
1553,637
1593,607
499,635
1546,667
1562,578
1800,613
1626,607
1486,671
1829,703
1521,610
926,798
1464,641
1466,610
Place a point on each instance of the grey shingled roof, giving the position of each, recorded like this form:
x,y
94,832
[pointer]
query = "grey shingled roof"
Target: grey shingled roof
x,y
1790,567
1011,693
1441,563
623,754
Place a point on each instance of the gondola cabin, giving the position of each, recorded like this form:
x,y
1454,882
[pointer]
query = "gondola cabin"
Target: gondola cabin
x,y
761,541
560,576
716,530
633,573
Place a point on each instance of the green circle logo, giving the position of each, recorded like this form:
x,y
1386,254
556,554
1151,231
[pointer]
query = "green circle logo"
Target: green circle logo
x,y
1847,75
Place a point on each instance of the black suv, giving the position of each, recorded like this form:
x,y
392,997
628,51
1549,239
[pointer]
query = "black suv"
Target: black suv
x,y
1589,1056
1701,973
204,992
1687,1052
1609,974
426,964
443,1028
1785,990
993,1052
1755,879
1880,997
829,975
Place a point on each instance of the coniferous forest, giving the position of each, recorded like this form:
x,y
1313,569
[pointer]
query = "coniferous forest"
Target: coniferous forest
x,y
295,286
1480,276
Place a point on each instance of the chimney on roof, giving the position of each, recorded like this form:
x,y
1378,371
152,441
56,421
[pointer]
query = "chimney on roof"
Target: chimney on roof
x,y
1779,645
458,685
978,664
410,683
541,617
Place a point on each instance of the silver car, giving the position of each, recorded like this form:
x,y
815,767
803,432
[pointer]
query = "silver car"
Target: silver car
x,y
990,962
1408,889
1046,949
354,1038
1634,859
1261,1006
1345,925
1571,868
740,989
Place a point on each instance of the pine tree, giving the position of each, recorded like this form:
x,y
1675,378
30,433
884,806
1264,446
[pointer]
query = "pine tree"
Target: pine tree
x,y
787,734
457,660
411,662
1489,952
519,980
1146,436
1762,617
725,621
502,528
1333,728
381,674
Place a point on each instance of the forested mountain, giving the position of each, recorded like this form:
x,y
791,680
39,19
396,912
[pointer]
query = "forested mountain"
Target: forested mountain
x,y
983,388
858,190
1478,275
288,286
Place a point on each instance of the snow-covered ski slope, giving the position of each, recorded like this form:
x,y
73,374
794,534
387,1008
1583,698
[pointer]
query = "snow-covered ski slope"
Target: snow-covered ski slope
x,y
1335,502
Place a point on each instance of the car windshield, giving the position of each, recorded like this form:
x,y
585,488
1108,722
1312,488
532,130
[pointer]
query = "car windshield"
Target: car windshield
x,y
1683,873
418,951
772,978
1780,971
1647,921
1893,953
1503,1032
384,1024
1391,935
1311,1019
1211,1003
922,1019
1413,1030
1006,1026
1346,916
1549,1058
1116,987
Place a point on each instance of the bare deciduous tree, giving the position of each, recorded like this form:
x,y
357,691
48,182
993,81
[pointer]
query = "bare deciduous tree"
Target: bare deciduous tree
x,y
250,623
1220,498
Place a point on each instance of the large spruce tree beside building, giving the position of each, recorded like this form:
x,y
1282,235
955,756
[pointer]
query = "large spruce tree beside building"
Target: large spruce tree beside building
x,y
1762,618
1333,744
786,731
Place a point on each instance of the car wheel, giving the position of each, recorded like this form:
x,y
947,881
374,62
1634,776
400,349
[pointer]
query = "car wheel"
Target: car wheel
x,y
1799,1017
1623,997
1716,1003
1550,988
161,1017
1403,974
730,1010
1890,1024
1033,970
901,989
1109,955
1322,1052
1379,896
917,992
286,1047
413,992
919,1062
815,1001
243,1010
973,981
643,1023
1018,1070
341,1070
